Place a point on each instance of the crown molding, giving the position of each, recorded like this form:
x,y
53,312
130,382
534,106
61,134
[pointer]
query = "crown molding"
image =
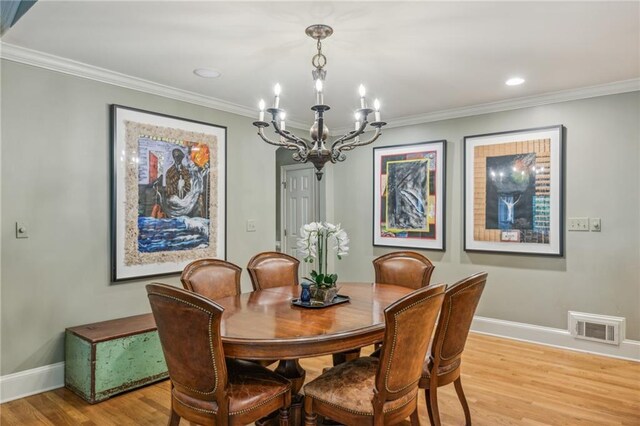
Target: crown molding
x,y
67,66
39,59
613,88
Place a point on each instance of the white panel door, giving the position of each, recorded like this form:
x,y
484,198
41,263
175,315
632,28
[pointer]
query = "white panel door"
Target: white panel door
x,y
299,208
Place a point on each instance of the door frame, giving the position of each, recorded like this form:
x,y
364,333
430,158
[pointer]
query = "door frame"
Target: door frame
x,y
318,188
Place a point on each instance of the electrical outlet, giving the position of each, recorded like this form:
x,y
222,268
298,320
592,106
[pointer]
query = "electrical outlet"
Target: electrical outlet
x,y
594,223
578,224
251,225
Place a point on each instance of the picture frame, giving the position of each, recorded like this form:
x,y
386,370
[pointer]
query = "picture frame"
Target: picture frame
x,y
168,193
409,195
514,192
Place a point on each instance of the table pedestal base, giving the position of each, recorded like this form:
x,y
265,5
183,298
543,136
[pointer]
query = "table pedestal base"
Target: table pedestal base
x,y
292,370
296,414
343,357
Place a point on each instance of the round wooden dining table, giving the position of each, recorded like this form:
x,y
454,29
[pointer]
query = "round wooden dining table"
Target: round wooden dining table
x,y
264,325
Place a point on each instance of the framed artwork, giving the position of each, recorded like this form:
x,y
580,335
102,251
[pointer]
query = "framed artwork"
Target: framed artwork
x,y
513,192
409,195
168,193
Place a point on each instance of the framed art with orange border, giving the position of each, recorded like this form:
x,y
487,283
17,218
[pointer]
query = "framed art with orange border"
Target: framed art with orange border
x,y
513,191
409,195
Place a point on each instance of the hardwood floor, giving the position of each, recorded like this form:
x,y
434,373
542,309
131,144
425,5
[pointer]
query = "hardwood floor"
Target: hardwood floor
x,y
506,383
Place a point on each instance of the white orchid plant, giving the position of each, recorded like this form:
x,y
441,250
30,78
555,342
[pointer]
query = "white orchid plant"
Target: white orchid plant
x,y
313,244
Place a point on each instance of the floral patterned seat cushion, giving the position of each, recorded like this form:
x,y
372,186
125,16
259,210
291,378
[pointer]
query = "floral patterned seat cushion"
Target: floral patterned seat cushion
x,y
350,385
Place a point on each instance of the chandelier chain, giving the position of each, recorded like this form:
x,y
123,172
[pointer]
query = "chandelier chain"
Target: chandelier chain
x,y
319,61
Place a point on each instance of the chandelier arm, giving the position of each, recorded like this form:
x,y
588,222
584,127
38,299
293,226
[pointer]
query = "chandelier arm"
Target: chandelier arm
x,y
337,151
347,137
302,151
357,143
275,143
290,136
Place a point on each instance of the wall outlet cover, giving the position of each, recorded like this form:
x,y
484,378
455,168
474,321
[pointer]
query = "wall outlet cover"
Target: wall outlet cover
x,y
578,224
22,230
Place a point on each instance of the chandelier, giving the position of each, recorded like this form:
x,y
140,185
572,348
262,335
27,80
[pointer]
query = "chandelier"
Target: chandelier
x,y
317,150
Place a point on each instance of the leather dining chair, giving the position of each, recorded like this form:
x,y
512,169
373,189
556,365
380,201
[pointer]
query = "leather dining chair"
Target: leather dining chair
x,y
272,269
384,390
405,268
207,388
212,278
442,365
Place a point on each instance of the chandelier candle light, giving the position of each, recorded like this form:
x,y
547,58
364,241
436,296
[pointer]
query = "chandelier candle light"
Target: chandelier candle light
x,y
316,150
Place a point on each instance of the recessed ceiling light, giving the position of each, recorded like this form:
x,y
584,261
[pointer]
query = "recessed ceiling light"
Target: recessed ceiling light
x,y
206,73
515,81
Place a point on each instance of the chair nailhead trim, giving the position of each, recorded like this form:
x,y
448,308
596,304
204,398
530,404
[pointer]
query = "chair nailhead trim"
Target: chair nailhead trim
x,y
213,360
234,413
393,347
202,410
266,401
446,325
362,413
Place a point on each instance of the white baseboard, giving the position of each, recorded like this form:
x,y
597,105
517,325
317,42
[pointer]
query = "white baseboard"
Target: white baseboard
x,y
548,336
30,382
42,379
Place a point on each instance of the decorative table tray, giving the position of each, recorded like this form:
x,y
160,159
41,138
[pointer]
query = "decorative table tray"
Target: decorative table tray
x,y
319,305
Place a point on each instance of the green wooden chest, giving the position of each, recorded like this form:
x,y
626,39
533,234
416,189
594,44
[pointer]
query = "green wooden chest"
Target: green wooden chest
x,y
110,357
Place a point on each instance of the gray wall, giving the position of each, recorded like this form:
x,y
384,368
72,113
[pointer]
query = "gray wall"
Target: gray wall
x,y
55,177
600,272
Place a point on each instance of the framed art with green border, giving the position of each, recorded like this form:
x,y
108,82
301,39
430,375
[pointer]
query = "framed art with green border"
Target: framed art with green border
x,y
513,192
409,195
168,193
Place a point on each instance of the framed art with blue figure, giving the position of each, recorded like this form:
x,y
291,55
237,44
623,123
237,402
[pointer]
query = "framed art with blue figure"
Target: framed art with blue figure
x,y
513,191
168,193
409,195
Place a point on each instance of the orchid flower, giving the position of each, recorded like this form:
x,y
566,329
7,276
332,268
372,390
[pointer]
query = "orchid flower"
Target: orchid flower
x,y
313,244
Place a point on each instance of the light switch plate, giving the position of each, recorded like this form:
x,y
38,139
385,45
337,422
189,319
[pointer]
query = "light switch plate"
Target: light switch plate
x,y
21,230
595,224
251,225
578,224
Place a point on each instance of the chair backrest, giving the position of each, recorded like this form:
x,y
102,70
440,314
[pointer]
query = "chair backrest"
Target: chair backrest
x,y
272,269
212,278
458,308
405,268
189,329
409,324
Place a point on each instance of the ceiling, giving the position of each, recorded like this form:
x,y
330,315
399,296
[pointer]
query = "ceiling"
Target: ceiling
x,y
417,57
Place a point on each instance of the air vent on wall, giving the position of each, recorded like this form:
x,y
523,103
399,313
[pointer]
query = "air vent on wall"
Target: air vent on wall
x,y
599,328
